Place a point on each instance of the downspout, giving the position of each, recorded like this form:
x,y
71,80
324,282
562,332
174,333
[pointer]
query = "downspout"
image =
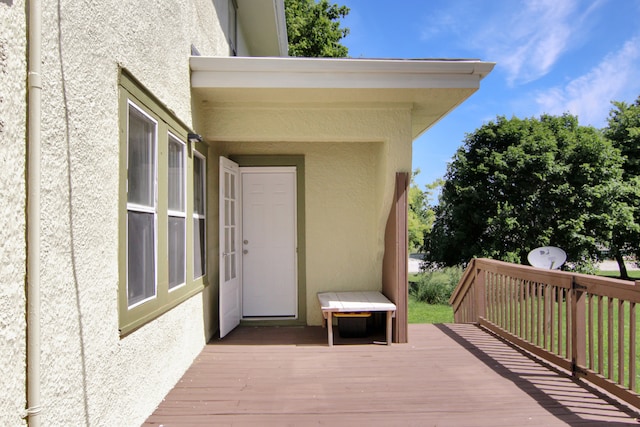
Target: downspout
x,y
34,89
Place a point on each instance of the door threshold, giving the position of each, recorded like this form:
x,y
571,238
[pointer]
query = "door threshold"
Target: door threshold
x,y
271,321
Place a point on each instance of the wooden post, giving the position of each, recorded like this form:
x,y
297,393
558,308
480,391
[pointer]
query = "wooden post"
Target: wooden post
x,y
578,328
480,290
396,255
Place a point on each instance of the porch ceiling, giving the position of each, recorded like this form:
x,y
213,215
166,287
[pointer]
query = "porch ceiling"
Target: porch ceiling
x,y
430,88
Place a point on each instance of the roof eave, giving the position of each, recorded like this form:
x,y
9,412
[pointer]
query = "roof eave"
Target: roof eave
x,y
430,88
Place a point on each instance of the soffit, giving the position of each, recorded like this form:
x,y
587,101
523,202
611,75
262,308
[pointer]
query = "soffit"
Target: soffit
x,y
429,88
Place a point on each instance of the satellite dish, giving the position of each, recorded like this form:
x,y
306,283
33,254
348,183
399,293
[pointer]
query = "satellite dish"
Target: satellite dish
x,y
548,257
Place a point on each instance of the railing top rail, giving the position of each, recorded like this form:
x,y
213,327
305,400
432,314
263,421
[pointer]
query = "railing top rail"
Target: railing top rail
x,y
463,285
595,285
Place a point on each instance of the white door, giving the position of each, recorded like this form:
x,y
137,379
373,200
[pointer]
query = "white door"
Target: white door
x,y
230,231
269,276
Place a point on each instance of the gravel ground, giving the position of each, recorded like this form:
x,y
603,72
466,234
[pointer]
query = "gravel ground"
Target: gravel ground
x,y
610,265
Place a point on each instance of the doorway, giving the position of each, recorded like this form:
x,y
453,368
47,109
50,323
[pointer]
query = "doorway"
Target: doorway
x,y
262,250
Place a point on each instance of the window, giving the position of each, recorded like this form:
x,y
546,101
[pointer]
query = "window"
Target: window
x,y
157,198
177,212
141,206
199,218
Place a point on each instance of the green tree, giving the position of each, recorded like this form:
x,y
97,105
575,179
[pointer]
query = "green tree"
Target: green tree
x,y
420,216
624,132
522,183
314,30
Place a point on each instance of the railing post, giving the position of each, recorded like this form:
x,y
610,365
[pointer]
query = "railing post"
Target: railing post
x,y
578,327
481,300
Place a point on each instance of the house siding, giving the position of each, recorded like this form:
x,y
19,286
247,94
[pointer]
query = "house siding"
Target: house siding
x,y
90,374
12,208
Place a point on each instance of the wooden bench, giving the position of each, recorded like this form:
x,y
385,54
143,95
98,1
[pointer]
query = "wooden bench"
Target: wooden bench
x,y
354,302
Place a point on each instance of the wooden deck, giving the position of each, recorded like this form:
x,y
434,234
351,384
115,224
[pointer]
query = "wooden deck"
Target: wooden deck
x,y
448,375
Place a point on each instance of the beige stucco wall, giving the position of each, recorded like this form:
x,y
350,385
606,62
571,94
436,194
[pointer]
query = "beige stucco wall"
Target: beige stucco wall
x,y
90,375
351,157
12,208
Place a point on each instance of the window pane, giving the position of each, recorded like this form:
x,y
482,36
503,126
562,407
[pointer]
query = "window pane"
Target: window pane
x,y
141,270
141,160
177,251
199,222
176,175
198,185
199,243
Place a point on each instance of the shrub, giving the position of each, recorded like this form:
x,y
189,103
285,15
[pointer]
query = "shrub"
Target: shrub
x,y
436,287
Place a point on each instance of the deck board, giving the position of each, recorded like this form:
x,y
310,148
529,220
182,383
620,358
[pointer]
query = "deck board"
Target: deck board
x,y
446,375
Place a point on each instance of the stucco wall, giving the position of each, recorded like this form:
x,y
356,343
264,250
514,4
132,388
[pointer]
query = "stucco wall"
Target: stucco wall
x,y
351,157
90,375
12,209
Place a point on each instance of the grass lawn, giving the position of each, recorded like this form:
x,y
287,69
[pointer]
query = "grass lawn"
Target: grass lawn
x,y
615,274
420,312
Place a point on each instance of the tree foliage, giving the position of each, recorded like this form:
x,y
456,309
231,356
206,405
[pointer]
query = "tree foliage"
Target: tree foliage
x,y
517,184
420,216
623,131
314,30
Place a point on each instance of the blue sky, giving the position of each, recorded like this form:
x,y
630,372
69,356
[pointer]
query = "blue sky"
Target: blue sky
x,y
553,56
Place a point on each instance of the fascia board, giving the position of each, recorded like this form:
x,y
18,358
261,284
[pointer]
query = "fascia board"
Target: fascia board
x,y
227,72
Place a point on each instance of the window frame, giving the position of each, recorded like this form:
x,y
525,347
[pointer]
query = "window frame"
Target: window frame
x,y
131,317
151,209
197,216
172,213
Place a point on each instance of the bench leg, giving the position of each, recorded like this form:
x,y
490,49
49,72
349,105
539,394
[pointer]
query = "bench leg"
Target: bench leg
x,y
330,328
389,328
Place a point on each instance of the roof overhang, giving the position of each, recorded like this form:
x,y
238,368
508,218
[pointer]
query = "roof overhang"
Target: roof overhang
x,y
430,88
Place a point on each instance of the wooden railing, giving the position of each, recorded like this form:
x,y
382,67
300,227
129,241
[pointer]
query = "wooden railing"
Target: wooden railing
x,y
585,324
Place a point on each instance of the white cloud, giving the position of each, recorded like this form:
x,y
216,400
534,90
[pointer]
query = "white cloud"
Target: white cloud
x,y
531,41
615,78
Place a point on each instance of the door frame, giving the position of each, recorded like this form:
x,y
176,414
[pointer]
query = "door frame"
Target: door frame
x,y
298,162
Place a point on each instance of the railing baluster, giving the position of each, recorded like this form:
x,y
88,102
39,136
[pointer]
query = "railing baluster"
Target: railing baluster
x,y
590,331
552,332
632,346
560,318
540,311
511,289
545,330
501,287
522,308
505,303
621,360
569,324
600,335
490,307
514,307
530,286
610,338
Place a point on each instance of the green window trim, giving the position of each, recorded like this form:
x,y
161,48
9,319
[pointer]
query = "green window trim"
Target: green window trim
x,y
133,316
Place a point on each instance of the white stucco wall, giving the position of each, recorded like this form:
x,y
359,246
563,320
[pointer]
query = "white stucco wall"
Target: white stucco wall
x,y
351,157
90,375
12,209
